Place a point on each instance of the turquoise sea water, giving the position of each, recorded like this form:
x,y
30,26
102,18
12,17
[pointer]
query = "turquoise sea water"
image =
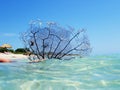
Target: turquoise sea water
x,y
91,73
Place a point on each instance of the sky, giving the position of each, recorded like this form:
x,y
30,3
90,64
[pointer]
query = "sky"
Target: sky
x,y
101,19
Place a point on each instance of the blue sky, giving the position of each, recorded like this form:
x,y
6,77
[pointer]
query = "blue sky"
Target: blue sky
x,y
101,18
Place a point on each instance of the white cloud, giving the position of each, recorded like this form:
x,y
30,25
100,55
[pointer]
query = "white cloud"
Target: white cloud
x,y
10,34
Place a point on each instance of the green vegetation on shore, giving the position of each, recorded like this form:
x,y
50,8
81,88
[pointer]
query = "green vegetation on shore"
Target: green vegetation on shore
x,y
16,51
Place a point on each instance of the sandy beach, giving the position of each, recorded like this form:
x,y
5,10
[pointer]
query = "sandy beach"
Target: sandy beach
x,y
12,56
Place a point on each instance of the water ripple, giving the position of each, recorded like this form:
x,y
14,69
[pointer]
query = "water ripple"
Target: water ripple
x,y
92,73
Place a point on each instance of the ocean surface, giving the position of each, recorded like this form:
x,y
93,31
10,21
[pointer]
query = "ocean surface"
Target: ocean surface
x,y
100,72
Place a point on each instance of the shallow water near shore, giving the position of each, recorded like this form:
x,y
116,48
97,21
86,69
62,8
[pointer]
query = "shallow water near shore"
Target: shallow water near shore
x,y
91,73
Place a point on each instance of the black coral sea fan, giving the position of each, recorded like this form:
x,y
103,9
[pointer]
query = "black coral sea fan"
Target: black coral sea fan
x,y
50,40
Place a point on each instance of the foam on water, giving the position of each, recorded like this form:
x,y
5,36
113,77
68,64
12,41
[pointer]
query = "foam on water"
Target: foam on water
x,y
91,73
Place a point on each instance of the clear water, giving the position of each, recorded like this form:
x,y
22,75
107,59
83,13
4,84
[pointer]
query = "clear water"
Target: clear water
x,y
91,73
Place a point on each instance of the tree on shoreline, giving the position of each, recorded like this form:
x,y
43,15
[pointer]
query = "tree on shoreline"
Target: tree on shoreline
x,y
53,41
